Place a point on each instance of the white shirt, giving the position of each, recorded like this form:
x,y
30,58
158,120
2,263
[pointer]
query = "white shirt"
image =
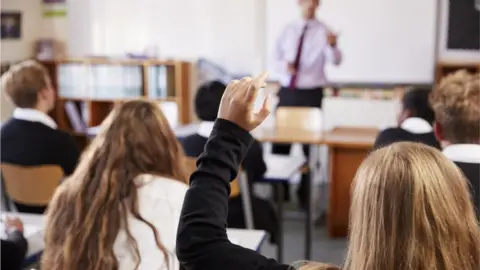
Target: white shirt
x,y
315,53
466,153
205,128
416,125
160,202
33,115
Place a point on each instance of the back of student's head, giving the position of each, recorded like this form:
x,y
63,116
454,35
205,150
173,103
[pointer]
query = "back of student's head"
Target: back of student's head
x,y
415,104
207,100
456,102
411,209
92,205
27,83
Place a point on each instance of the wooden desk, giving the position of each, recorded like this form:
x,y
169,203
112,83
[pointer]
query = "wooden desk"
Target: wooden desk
x,y
346,151
348,147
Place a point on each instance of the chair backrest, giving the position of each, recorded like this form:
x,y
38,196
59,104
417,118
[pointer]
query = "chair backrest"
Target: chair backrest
x,y
32,185
299,118
191,166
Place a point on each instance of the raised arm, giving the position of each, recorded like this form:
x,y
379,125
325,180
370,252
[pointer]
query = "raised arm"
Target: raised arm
x,y
202,241
334,55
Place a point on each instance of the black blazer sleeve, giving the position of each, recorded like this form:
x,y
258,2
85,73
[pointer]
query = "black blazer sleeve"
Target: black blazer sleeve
x,y
68,154
253,163
202,241
13,251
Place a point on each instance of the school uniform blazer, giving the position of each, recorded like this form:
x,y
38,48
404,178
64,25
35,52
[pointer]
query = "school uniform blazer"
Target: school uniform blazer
x,y
413,129
14,249
467,158
160,201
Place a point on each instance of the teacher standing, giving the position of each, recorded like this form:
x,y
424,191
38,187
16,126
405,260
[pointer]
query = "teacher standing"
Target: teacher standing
x,y
302,50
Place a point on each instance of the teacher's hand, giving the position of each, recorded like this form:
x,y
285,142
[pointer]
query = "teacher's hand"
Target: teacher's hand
x,y
238,101
291,69
332,39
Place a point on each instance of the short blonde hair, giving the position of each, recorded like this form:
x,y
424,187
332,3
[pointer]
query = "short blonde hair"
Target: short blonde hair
x,y
411,209
23,81
456,102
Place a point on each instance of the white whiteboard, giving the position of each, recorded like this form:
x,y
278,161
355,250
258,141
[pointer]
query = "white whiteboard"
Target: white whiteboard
x,y
382,41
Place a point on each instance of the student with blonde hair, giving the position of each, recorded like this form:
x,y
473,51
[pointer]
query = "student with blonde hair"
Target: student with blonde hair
x,y
411,208
30,137
456,102
120,208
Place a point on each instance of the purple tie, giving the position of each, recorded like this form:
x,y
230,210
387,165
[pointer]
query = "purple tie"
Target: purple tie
x,y
296,64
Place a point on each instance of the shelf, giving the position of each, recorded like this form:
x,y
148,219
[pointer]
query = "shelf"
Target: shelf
x,y
91,87
116,100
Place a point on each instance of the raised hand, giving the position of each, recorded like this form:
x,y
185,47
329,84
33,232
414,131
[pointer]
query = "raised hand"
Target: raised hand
x,y
238,101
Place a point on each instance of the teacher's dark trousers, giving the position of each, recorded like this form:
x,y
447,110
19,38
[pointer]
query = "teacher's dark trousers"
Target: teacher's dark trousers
x,y
298,97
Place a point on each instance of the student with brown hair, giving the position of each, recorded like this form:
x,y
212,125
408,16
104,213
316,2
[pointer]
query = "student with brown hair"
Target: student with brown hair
x,y
415,121
120,208
410,207
31,137
456,102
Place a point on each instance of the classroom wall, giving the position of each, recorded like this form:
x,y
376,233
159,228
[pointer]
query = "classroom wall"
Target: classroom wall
x,y
229,32
15,50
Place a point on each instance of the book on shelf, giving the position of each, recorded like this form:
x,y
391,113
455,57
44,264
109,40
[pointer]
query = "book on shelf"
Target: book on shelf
x,y
100,81
73,114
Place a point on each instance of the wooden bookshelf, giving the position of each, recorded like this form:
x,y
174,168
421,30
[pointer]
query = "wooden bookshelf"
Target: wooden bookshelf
x,y
444,68
97,85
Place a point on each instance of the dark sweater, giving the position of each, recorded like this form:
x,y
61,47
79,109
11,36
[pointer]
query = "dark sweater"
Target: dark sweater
x,y
392,135
253,164
472,173
264,216
14,250
29,143
202,241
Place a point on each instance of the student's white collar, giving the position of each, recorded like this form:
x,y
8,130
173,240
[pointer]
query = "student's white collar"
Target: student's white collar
x,y
205,128
416,125
467,153
33,115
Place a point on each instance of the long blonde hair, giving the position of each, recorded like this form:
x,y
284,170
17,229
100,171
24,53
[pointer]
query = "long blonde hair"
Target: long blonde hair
x,y
92,205
411,209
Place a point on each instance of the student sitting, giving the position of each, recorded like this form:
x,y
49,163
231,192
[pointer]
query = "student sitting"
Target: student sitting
x,y
410,206
14,247
30,137
207,102
120,208
415,121
456,102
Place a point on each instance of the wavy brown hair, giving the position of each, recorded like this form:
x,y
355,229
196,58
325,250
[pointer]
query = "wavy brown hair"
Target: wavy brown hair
x,y
92,206
411,210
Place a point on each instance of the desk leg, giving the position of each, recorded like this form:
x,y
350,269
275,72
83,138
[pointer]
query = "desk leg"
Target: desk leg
x,y
309,222
280,190
343,164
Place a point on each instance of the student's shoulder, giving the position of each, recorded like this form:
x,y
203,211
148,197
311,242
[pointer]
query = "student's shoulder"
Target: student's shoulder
x,y
392,131
154,183
62,135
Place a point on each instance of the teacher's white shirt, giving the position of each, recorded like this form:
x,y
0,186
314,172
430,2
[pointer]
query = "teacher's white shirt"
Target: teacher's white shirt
x,y
316,52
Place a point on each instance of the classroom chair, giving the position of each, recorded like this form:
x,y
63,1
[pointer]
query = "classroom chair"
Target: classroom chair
x,y
31,185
